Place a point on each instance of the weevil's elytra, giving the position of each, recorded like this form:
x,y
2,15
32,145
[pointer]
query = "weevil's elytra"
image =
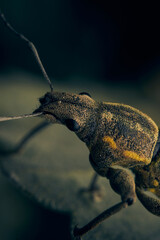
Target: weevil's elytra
x,y
118,137
135,156
122,143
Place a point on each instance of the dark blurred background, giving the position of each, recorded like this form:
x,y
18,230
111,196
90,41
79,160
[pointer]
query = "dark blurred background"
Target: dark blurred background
x,y
107,40
112,42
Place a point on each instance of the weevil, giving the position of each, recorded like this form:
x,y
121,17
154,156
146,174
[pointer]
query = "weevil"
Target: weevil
x,y
118,137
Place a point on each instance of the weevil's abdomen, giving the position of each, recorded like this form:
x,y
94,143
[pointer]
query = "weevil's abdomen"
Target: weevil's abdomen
x,y
125,137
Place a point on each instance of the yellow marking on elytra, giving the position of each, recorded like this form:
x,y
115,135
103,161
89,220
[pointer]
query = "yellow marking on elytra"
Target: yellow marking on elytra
x,y
155,183
152,190
135,156
110,141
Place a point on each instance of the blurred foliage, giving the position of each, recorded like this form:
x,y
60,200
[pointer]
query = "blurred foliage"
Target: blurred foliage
x,y
110,40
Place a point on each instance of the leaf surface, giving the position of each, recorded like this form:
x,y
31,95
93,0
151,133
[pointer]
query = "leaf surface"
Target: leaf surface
x,y
54,165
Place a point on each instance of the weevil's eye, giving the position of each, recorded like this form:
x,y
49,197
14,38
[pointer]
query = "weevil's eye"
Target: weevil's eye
x,y
85,93
72,125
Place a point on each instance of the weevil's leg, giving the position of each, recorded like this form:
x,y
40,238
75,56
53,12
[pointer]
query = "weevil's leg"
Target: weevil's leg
x,y
122,183
150,203
93,184
78,232
25,139
30,134
93,189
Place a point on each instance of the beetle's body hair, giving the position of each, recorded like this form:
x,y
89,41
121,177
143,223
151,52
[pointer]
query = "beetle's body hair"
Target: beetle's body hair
x,y
127,137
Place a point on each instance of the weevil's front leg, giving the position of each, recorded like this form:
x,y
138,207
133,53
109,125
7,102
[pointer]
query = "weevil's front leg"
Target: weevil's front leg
x,y
78,232
95,191
122,183
150,203
93,184
25,139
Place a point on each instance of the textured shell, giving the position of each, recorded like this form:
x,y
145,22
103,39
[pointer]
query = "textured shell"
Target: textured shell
x,y
125,136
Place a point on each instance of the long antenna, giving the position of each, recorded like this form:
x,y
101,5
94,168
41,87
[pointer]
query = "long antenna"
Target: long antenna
x,y
31,46
2,119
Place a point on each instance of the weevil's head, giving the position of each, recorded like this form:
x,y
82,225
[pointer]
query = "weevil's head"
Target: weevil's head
x,y
77,111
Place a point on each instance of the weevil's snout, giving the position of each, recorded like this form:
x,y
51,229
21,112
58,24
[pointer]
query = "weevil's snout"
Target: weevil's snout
x,y
47,104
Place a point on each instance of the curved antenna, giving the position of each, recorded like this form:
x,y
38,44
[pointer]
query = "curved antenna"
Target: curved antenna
x,y
3,119
31,46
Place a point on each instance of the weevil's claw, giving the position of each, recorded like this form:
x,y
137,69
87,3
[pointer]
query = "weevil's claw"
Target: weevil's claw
x,y
95,193
76,234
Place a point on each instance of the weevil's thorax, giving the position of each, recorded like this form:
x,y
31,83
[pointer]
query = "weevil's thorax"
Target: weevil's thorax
x,y
125,137
78,112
